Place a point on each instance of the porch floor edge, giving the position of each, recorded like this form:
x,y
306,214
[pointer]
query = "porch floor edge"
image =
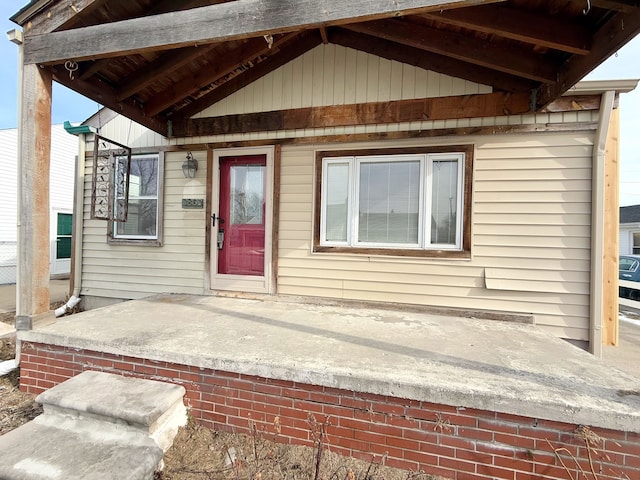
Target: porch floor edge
x,y
495,366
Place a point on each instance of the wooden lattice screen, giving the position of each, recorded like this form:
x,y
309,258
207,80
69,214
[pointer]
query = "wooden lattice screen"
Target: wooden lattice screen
x,y
110,188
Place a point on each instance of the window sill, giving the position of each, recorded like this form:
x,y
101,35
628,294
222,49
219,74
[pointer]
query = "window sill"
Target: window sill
x,y
459,254
137,242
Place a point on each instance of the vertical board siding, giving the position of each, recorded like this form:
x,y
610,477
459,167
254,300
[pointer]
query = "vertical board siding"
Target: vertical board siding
x,y
531,235
335,75
130,271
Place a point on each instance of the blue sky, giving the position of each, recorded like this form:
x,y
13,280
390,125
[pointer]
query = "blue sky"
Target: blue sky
x,y
68,105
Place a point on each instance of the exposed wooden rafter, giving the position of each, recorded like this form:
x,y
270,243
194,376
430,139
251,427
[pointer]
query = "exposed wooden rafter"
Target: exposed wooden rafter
x,y
519,63
104,94
529,27
244,54
59,14
430,61
609,38
289,51
211,24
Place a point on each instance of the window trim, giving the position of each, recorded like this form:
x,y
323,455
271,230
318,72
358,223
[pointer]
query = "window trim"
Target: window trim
x,y
112,239
462,251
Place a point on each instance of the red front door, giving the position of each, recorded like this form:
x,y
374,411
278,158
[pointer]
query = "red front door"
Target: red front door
x,y
241,223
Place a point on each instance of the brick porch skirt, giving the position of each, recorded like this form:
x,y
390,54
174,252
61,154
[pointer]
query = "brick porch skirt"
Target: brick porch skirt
x,y
455,442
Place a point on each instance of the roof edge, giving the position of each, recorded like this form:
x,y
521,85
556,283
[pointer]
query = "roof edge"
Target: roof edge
x,y
28,11
587,87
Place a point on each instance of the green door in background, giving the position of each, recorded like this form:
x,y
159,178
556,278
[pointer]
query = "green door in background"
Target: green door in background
x,y
61,261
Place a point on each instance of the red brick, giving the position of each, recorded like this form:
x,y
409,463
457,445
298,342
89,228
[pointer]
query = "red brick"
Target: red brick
x,y
474,433
439,450
389,408
420,457
335,431
473,456
355,403
538,433
224,410
368,437
420,435
462,420
370,416
403,443
513,464
145,370
456,442
124,366
337,411
354,424
439,471
238,403
498,426
310,407
495,472
457,465
515,441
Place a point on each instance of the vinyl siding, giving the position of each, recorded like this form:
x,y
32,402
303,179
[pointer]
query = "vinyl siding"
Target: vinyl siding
x,y
530,245
131,271
531,213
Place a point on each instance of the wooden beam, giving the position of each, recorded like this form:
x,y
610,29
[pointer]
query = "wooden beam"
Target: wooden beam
x,y
573,103
165,64
430,61
104,94
212,24
424,109
245,53
33,174
300,45
611,231
456,45
620,29
543,30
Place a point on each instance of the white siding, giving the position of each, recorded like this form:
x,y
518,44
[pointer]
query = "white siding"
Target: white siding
x,y
129,271
626,237
64,148
530,245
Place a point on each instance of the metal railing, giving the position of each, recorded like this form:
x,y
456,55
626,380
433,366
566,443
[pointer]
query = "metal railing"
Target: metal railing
x,y
8,262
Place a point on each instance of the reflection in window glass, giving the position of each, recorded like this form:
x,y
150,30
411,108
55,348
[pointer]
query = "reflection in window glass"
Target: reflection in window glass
x,y
337,202
444,200
247,194
389,201
142,217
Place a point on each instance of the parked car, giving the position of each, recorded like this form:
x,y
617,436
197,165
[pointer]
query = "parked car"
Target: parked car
x,y
629,271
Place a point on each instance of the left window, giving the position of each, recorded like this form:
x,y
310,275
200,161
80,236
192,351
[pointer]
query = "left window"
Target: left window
x,y
144,216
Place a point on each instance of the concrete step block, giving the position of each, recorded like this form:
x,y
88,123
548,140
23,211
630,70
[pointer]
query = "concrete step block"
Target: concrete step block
x,y
52,447
155,408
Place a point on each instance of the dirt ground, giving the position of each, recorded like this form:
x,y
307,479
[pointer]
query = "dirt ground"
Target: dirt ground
x,y
202,454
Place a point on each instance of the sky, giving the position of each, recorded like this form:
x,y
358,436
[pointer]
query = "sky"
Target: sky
x,y
67,105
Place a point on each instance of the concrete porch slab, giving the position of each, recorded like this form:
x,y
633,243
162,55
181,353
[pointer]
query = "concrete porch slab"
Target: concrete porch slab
x,y
484,364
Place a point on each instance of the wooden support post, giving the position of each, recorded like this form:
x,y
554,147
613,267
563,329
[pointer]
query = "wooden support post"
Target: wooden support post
x,y
611,232
34,132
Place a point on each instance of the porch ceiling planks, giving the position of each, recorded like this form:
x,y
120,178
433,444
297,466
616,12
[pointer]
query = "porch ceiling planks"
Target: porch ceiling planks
x,y
166,60
223,22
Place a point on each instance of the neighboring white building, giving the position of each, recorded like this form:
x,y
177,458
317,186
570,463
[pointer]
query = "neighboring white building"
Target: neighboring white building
x,y
64,148
630,230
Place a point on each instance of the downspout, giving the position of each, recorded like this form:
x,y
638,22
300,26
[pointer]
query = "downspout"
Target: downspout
x,y
78,212
597,223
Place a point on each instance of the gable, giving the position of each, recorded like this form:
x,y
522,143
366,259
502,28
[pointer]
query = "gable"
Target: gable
x,y
334,75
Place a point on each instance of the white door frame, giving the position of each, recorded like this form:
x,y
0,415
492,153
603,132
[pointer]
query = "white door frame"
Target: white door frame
x,y
243,283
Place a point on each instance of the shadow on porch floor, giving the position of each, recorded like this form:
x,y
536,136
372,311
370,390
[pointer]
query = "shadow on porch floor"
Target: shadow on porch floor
x,y
489,365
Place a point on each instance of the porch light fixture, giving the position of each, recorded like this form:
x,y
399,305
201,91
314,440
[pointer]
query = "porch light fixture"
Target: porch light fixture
x,y
190,166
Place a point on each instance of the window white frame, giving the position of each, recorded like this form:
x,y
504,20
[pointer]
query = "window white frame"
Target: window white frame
x,y
155,240
424,246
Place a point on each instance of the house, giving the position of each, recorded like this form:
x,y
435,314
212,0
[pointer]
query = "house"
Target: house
x,y
630,230
369,153
434,156
64,149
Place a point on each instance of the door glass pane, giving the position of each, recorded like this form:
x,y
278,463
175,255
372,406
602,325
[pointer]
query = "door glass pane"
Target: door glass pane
x,y
247,194
64,224
242,202
337,202
389,202
444,202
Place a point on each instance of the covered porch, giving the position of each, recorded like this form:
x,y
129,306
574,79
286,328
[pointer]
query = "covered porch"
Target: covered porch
x,y
448,395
